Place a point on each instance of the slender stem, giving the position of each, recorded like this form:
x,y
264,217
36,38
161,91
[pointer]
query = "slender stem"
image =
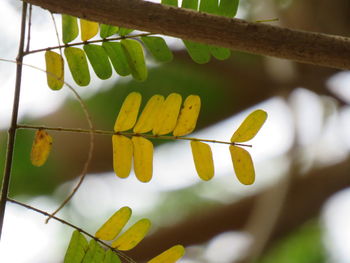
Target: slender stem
x,y
13,127
121,254
87,42
104,132
29,27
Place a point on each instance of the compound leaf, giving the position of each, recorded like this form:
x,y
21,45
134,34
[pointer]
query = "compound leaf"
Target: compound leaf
x,y
88,29
243,165
108,30
98,60
70,28
111,257
187,120
122,155
77,248
143,158
54,70
158,48
203,160
78,65
95,253
170,255
145,122
167,117
117,56
128,112
41,148
112,227
250,126
136,59
131,237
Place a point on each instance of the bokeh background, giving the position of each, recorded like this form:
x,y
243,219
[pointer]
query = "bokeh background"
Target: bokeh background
x,y
298,209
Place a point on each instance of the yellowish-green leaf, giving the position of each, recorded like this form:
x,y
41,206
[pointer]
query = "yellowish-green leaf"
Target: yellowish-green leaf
x,y
99,60
187,120
124,31
145,122
54,70
70,28
243,165
128,112
89,29
136,58
143,158
95,253
158,48
250,126
41,148
199,52
78,65
122,155
112,227
170,2
203,160
111,257
171,255
131,237
77,248
118,58
167,117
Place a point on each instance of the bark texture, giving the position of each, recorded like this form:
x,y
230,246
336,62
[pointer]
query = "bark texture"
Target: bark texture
x,y
236,34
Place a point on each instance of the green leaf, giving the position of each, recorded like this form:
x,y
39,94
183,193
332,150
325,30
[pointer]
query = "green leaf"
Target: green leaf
x,y
78,65
170,2
95,253
199,52
220,53
77,248
228,7
70,28
108,30
111,257
124,31
209,6
136,59
118,58
190,4
158,48
98,60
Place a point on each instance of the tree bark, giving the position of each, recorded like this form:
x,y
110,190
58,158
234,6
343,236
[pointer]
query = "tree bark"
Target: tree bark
x,y
236,34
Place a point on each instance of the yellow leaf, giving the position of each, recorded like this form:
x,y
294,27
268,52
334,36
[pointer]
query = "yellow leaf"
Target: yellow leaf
x,y
146,121
41,148
54,69
203,159
128,112
250,126
167,117
171,255
243,165
131,237
143,158
188,116
122,155
112,227
88,29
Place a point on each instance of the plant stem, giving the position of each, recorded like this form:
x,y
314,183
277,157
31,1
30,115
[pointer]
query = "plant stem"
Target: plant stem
x,y
104,132
13,127
127,258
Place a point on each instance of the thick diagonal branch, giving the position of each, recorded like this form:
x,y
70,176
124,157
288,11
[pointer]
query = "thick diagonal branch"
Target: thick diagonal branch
x,y
257,38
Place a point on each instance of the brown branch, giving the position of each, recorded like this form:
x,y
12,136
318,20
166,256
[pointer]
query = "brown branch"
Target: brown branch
x,y
236,34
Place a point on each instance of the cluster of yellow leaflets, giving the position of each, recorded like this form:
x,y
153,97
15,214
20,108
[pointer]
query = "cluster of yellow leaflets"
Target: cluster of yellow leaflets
x,y
160,116
163,116
80,251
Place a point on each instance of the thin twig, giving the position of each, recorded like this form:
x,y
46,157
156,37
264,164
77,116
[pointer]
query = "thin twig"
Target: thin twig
x,y
13,127
88,42
121,254
29,28
129,134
